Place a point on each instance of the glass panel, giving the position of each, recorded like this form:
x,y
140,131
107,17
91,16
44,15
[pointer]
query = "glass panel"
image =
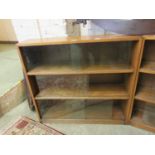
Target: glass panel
x,y
81,109
108,86
144,112
79,56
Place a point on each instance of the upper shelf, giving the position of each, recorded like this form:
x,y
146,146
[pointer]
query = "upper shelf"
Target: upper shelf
x,y
148,67
67,70
146,95
76,40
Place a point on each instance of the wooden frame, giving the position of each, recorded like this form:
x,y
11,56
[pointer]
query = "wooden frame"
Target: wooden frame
x,y
144,100
105,81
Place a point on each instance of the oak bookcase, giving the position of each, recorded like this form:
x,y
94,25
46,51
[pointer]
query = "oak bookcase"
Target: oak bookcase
x,y
143,106
83,79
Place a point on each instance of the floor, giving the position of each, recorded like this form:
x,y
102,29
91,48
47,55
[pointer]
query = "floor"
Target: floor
x,y
70,129
10,70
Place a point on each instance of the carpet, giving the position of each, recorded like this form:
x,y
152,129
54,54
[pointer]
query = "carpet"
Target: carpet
x,y
27,126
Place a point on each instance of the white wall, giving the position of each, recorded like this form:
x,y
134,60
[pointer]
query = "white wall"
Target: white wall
x,y
52,28
36,29
49,28
26,29
91,29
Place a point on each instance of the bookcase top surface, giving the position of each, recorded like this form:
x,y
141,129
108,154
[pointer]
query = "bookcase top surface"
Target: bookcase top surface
x,y
76,40
149,37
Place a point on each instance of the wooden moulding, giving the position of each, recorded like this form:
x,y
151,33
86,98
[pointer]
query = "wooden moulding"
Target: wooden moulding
x,y
76,40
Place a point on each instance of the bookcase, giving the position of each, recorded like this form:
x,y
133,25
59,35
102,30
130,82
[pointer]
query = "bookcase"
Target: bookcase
x,y
82,79
143,112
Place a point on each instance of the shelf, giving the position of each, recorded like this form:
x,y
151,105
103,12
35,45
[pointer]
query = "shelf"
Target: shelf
x,y
66,70
148,67
114,91
143,120
146,95
137,122
81,112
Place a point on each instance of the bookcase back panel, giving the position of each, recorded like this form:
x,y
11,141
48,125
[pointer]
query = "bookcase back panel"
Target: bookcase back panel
x,y
80,55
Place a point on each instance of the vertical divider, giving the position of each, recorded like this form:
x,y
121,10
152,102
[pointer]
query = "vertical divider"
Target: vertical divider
x,y
136,61
31,82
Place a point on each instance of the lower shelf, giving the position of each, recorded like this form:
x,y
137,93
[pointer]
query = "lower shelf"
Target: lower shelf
x,y
144,116
81,111
137,122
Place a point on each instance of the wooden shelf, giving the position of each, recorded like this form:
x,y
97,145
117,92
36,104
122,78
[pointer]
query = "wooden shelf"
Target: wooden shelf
x,y
142,120
148,67
137,122
146,95
66,70
94,92
83,113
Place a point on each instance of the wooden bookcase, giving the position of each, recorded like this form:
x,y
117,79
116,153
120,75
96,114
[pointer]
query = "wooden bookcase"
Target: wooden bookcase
x,y
82,79
143,110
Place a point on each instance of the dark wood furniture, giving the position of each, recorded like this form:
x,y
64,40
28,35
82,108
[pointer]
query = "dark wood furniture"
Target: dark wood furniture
x,y
82,79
